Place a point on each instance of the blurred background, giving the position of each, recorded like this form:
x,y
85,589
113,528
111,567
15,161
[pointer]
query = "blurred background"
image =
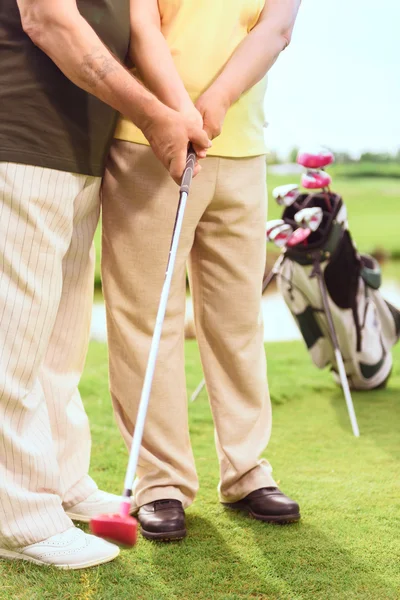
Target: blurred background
x,y
338,83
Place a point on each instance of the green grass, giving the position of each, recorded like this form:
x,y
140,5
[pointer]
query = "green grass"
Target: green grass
x,y
346,547
372,196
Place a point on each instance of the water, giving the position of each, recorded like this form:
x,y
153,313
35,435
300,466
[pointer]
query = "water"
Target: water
x,y
279,324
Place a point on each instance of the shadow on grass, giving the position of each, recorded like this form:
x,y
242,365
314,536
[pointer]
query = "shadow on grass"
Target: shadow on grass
x,y
310,563
205,566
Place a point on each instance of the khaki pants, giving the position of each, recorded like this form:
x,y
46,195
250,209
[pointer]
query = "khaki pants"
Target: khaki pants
x,y
47,222
223,239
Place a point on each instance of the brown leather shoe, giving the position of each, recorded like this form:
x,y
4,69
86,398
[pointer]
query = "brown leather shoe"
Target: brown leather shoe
x,y
162,520
268,504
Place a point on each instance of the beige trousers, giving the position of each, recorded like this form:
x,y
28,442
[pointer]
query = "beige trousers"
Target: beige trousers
x,y
47,223
223,240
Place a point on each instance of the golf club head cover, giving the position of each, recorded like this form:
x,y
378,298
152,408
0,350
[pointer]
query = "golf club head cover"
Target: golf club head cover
x,y
315,159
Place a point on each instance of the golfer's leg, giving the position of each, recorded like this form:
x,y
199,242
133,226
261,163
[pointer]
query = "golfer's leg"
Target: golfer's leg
x,y
227,266
139,210
36,214
65,357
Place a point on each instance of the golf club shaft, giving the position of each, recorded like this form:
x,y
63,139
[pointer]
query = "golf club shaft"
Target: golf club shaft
x,y
197,391
155,343
274,271
338,354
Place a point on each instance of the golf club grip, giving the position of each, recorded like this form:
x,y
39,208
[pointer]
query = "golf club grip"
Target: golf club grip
x,y
189,170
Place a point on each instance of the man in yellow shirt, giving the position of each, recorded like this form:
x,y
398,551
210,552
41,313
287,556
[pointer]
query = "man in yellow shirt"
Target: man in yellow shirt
x,y
212,54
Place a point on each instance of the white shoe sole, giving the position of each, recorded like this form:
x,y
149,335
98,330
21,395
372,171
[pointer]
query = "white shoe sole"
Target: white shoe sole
x,y
9,554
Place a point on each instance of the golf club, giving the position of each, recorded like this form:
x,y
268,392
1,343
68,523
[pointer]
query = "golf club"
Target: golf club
x,y
280,235
299,236
270,226
286,195
122,528
309,218
316,179
317,272
316,158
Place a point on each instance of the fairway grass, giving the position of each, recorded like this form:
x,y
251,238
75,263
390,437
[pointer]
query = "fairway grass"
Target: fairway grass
x,y
347,545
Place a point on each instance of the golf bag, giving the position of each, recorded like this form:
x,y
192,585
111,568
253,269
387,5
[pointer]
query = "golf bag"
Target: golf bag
x,y
366,325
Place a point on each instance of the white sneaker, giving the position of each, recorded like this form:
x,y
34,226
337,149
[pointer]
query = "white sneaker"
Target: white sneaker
x,y
97,504
73,549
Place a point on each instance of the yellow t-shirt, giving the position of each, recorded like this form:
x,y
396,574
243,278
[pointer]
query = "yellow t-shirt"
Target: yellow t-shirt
x,y
202,35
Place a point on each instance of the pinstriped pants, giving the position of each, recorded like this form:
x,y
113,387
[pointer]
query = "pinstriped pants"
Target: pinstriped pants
x,y
47,222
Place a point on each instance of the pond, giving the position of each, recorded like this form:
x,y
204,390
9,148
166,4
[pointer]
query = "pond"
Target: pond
x,y
279,324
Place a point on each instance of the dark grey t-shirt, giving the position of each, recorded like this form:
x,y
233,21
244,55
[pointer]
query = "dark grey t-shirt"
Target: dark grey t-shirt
x,y
46,120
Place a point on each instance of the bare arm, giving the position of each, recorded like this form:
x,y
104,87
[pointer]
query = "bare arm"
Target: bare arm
x,y
57,28
150,54
259,50
249,63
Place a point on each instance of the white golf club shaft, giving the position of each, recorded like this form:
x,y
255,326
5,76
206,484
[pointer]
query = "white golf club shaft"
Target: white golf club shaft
x,y
155,343
338,354
197,391
346,392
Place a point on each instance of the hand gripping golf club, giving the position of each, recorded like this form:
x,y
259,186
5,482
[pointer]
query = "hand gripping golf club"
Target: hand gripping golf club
x,y
122,528
317,272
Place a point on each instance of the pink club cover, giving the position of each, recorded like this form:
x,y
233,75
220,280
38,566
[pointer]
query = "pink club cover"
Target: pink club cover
x,y
314,180
297,237
315,160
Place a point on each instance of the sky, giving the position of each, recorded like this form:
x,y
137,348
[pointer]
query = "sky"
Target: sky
x,y
338,83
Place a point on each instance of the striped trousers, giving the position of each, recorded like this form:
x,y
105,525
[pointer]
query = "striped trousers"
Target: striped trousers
x,y
47,222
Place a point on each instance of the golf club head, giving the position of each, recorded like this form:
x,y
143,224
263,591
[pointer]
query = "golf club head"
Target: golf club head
x,y
298,237
315,158
116,528
285,195
270,226
280,235
309,218
315,179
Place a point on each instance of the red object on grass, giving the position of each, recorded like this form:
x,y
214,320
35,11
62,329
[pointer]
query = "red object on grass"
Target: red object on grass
x,y
118,528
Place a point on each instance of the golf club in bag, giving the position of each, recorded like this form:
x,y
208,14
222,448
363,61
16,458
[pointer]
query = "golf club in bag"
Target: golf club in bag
x,y
122,528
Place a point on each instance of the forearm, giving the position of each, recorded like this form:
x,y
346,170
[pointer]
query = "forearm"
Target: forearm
x,y
249,64
152,57
79,53
258,51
